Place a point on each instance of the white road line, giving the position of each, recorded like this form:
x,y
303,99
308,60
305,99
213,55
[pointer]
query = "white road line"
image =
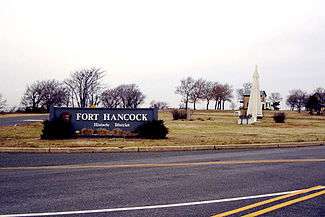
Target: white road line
x,y
32,120
150,207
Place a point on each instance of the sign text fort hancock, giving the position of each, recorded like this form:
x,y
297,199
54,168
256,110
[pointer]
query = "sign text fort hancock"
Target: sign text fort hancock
x,y
93,118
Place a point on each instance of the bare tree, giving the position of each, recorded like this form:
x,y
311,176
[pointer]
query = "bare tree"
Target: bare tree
x,y
275,99
85,86
316,101
41,95
320,92
111,98
221,93
135,96
291,101
130,95
32,97
197,91
53,94
301,97
207,93
217,94
185,89
68,100
313,104
226,94
158,104
244,90
297,98
2,103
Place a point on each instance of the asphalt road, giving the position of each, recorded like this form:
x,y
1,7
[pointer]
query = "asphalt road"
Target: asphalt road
x,y
21,119
109,184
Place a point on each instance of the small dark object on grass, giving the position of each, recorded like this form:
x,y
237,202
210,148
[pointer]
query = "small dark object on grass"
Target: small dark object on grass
x,y
152,130
179,114
57,129
279,117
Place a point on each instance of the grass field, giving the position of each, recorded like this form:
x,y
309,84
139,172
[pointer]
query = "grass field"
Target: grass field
x,y
20,115
206,128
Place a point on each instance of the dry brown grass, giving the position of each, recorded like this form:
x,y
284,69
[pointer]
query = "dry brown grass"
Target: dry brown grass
x,y
206,128
20,115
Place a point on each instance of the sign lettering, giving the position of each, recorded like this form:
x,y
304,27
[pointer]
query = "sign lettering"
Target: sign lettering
x,y
102,118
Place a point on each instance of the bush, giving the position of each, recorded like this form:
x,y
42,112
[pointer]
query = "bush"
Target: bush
x,y
87,132
57,129
152,130
117,132
102,132
179,114
279,117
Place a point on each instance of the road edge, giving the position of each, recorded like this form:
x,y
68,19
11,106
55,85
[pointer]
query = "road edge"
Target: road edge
x,y
158,148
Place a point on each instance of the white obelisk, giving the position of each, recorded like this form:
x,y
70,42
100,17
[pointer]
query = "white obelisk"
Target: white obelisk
x,y
259,101
254,103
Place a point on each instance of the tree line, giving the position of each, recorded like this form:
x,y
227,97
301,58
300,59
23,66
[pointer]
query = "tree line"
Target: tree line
x,y
84,88
194,91
313,102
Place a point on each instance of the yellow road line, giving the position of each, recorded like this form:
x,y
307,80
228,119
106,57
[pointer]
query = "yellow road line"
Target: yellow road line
x,y
108,166
288,203
267,201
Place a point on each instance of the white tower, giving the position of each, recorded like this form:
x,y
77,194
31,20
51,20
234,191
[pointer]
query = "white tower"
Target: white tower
x,y
254,103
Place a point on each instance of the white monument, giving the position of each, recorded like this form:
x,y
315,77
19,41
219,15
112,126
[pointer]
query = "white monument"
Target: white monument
x,y
254,104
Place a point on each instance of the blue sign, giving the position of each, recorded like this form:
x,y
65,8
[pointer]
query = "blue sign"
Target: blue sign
x,y
103,118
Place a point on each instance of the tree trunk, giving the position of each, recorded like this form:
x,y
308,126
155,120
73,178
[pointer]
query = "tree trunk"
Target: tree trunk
x,y
215,105
223,105
208,104
194,102
219,105
33,106
188,115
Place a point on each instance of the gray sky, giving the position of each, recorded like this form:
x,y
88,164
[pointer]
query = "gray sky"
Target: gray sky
x,y
156,43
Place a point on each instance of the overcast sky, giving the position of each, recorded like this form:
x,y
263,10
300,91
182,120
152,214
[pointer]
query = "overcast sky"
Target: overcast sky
x,y
156,43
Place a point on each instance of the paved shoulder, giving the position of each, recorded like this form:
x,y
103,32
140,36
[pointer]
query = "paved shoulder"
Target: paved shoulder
x,y
11,121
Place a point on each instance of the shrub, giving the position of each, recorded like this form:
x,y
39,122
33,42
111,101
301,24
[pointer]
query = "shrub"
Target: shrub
x,y
179,114
121,133
279,117
152,130
57,129
117,132
102,132
129,134
87,132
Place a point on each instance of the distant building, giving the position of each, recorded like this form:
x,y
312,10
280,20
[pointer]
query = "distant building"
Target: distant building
x,y
265,104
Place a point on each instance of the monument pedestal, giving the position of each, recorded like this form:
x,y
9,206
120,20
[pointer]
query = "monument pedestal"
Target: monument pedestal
x,y
244,121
